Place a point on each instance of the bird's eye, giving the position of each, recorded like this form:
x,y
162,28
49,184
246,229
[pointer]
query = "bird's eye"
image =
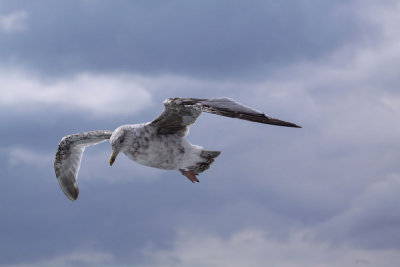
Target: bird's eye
x,y
121,140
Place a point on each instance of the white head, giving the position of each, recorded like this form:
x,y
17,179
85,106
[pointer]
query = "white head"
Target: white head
x,y
117,141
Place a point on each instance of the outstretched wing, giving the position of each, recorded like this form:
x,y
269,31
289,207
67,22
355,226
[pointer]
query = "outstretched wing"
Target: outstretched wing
x,y
180,113
69,155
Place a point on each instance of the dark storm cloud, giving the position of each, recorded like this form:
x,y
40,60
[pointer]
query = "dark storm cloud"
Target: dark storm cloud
x,y
213,38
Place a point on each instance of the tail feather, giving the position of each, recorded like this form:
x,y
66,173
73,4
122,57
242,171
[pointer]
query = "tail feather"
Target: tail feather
x,y
207,159
209,154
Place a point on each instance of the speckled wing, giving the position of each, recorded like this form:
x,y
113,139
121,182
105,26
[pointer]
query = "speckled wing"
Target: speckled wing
x,y
179,113
69,155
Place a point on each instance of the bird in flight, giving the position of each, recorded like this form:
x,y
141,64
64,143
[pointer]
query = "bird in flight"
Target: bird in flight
x,y
159,143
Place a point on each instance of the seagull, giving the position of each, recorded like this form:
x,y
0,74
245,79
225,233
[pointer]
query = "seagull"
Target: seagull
x,y
159,143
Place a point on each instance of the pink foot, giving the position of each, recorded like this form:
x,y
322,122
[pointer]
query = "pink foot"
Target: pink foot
x,y
191,175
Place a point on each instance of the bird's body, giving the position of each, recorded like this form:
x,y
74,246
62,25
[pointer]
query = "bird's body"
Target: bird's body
x,y
169,152
148,148
160,143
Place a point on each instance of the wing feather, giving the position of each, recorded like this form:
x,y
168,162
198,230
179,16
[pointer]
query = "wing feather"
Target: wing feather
x,y
229,108
68,158
176,117
180,113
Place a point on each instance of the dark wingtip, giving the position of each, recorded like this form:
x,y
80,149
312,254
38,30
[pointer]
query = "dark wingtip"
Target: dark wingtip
x,y
70,190
288,124
73,197
278,122
262,118
73,192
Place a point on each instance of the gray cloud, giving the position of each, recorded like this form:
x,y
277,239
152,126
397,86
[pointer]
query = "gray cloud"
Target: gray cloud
x,y
372,219
327,190
211,38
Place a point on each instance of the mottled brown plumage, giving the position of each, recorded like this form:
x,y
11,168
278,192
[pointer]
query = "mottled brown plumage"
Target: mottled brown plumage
x,y
159,143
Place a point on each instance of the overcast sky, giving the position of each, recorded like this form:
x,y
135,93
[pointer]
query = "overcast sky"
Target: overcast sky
x,y
323,195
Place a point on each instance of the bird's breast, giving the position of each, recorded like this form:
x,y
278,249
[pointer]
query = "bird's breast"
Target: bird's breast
x,y
154,150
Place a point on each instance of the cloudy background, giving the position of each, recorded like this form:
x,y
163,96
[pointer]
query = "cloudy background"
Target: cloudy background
x,y
323,195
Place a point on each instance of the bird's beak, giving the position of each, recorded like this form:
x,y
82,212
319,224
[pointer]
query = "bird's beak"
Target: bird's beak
x,y
112,158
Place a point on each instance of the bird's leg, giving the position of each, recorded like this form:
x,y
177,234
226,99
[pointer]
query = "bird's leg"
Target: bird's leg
x,y
191,175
